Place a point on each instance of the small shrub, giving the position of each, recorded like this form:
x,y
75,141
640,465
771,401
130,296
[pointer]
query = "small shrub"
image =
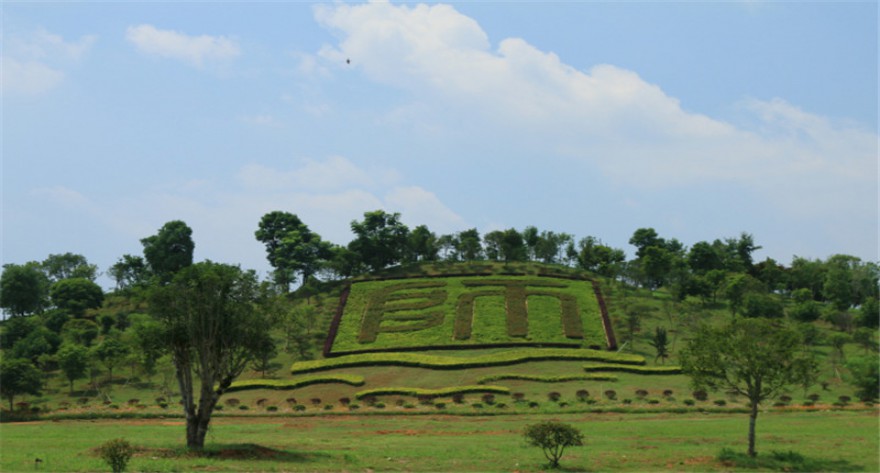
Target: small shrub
x,y
582,395
814,397
243,407
113,406
627,401
534,404
160,400
400,402
501,405
299,408
83,400
354,407
328,407
489,398
106,403
458,398
844,399
563,404
610,394
641,393
779,404
291,401
809,404
262,402
720,402
232,402
553,438
825,385
134,402
519,397
116,453
344,401
409,406
785,398
379,405
440,405
316,401
554,396
272,408
63,405
700,395
141,406
477,405
653,401
591,401
425,400
689,402
667,393
370,400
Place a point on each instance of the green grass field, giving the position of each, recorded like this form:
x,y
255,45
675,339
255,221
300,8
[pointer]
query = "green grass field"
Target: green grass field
x,y
829,441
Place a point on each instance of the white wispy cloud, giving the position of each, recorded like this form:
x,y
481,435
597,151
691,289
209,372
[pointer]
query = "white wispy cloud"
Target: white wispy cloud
x,y
36,62
193,50
606,117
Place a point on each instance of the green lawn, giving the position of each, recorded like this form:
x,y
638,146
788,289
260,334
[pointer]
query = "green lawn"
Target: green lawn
x,y
835,441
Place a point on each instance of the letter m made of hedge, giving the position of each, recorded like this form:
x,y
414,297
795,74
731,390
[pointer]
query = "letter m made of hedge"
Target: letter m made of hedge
x,y
516,294
402,307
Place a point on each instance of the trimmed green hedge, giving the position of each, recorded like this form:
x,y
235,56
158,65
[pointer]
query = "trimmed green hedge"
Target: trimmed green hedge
x,y
546,379
350,379
633,369
437,362
391,391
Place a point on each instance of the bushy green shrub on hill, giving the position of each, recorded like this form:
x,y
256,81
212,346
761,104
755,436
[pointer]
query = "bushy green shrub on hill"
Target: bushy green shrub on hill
x,y
510,357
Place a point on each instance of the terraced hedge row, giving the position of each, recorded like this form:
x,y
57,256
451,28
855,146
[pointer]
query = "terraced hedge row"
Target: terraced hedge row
x,y
243,385
546,379
633,369
437,362
441,392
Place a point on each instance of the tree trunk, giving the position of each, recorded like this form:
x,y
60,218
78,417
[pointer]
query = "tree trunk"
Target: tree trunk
x,y
753,417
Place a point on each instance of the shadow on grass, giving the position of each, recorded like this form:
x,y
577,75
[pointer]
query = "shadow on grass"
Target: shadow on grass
x,y
784,461
245,451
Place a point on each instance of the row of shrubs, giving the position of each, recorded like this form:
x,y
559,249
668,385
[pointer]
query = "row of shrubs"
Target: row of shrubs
x,y
623,368
243,385
431,393
545,379
418,360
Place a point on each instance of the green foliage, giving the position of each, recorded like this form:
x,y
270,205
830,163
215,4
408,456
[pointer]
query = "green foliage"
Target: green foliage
x,y
170,250
418,360
73,359
292,247
300,382
81,331
762,305
116,453
545,378
380,239
18,377
68,266
76,295
24,289
440,392
110,352
553,438
660,342
865,376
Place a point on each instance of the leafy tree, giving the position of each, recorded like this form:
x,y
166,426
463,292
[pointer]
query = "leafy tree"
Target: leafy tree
x,y
17,328
422,245
67,266
530,238
73,360
553,438
660,342
736,286
147,339
762,305
599,258
76,295
645,238
116,453
292,248
869,313
130,271
18,377
756,358
110,352
865,338
739,253
170,250
264,354
468,245
80,331
40,341
808,274
865,376
213,329
380,239
704,257
24,289
838,284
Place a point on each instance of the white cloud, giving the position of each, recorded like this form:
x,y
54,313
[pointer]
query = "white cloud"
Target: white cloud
x,y
331,174
34,63
194,50
607,118
421,207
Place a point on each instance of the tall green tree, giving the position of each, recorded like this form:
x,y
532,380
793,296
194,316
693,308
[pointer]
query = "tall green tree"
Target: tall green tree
x,y
755,358
169,250
660,342
380,239
110,352
292,248
18,377
69,265
76,295
24,289
73,359
422,245
213,330
468,245
129,271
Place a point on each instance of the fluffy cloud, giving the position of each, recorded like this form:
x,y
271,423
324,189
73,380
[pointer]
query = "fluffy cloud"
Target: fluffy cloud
x,y
606,118
194,50
34,63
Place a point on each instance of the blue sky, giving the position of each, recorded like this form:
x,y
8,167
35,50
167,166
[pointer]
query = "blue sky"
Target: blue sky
x,y
701,120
